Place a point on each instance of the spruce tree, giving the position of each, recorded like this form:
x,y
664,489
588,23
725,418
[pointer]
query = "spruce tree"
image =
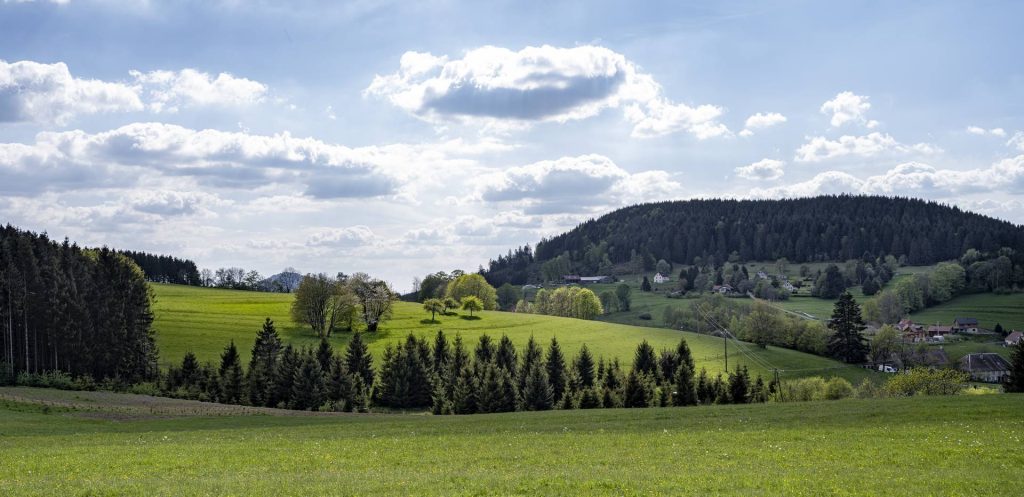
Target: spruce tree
x,y
484,353
645,362
635,393
464,393
441,354
668,362
189,370
307,384
339,385
684,391
589,399
584,366
260,378
556,370
705,390
532,355
685,356
506,357
285,375
324,353
231,378
359,361
739,386
847,343
537,396
1015,381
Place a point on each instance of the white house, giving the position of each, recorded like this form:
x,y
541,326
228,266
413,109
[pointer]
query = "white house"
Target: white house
x,y
659,278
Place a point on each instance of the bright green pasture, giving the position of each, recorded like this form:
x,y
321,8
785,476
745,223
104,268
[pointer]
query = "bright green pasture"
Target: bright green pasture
x,y
924,446
205,320
988,308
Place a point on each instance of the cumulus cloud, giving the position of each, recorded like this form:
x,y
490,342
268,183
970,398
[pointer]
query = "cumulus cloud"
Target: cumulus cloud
x,y
171,90
847,107
574,184
354,236
978,130
1017,141
761,121
502,87
912,179
764,169
820,148
31,91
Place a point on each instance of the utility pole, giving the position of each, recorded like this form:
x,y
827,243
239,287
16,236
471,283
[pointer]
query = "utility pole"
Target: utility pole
x,y
725,340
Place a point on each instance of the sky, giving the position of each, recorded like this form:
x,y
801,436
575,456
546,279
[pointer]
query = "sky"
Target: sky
x,y
403,138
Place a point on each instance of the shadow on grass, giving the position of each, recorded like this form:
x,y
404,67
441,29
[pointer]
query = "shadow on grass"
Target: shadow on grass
x,y
429,321
470,318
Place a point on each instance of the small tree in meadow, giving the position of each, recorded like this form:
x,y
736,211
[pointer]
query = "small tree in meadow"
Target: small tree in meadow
x,y
433,306
472,304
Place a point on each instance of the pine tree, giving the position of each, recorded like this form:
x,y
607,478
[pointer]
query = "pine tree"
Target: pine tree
x,y
537,396
1015,381
668,363
847,343
739,386
589,399
584,366
635,393
260,378
531,355
189,370
231,382
307,384
705,390
506,357
324,353
464,393
685,356
685,392
441,354
484,353
359,361
556,370
645,362
339,385
645,286
285,375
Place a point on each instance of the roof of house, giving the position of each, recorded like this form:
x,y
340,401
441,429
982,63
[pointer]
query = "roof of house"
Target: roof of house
x,y
938,328
965,322
985,361
1014,337
592,278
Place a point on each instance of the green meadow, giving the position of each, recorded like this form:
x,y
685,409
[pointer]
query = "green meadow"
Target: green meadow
x,y
204,320
923,446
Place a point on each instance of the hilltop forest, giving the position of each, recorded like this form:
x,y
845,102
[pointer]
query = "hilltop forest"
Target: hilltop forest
x,y
824,228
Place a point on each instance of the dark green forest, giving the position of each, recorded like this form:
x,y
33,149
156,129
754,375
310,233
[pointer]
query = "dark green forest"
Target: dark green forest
x,y
165,268
824,228
81,311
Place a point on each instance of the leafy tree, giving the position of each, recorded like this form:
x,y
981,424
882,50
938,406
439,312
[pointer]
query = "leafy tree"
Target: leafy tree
x,y
358,360
472,303
320,302
375,299
450,304
508,295
847,342
870,287
608,301
433,306
663,267
622,293
761,324
231,377
1015,381
556,370
645,285
476,286
885,343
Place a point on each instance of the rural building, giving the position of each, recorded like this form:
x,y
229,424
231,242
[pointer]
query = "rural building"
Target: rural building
x,y
911,331
931,357
588,280
571,279
988,367
965,325
659,278
723,289
763,275
938,330
786,285
1013,338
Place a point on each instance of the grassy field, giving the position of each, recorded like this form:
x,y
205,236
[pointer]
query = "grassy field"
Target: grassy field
x,y
988,308
962,445
204,320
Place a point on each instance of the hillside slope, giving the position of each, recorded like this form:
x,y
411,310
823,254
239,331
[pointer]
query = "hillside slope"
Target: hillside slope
x,y
825,228
204,320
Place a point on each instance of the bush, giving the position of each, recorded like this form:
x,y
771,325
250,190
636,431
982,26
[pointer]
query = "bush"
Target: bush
x,y
838,388
923,381
646,316
868,390
49,379
7,376
146,388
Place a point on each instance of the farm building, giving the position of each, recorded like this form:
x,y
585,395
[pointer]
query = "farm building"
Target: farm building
x,y
588,280
965,325
938,330
660,278
571,279
987,367
911,331
723,289
1013,338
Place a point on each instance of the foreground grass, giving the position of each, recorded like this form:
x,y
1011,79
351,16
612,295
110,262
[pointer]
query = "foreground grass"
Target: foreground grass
x,y
964,445
204,321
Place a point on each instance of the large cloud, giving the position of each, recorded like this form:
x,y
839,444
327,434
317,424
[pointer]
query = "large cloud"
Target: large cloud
x,y
761,121
764,169
30,91
516,88
49,93
820,148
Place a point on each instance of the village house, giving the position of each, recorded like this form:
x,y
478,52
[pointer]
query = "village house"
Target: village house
x,y
723,289
660,278
762,275
571,279
965,325
1013,338
988,367
589,280
938,330
786,285
911,331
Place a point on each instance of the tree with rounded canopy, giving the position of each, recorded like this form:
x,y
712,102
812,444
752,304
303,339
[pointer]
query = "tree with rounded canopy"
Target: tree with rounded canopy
x,y
473,285
622,293
663,267
433,306
472,304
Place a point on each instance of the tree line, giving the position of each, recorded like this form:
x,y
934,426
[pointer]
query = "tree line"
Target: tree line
x,y
165,268
81,311
824,228
448,376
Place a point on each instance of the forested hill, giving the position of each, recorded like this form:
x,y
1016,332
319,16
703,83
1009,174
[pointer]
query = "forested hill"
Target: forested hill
x,y
824,228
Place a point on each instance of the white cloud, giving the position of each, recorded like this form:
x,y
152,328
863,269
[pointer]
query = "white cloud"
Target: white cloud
x,y
978,130
31,91
819,148
503,88
828,182
169,91
761,121
354,236
847,107
764,169
1017,141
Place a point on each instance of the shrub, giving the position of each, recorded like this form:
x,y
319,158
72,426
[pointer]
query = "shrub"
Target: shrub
x,y
146,388
646,316
838,388
7,376
923,381
813,388
868,390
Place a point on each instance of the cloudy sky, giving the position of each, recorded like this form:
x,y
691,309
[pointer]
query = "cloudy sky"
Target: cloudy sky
x,y
402,139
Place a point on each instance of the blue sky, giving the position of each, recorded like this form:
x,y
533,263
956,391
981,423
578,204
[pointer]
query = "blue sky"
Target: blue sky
x,y
401,139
